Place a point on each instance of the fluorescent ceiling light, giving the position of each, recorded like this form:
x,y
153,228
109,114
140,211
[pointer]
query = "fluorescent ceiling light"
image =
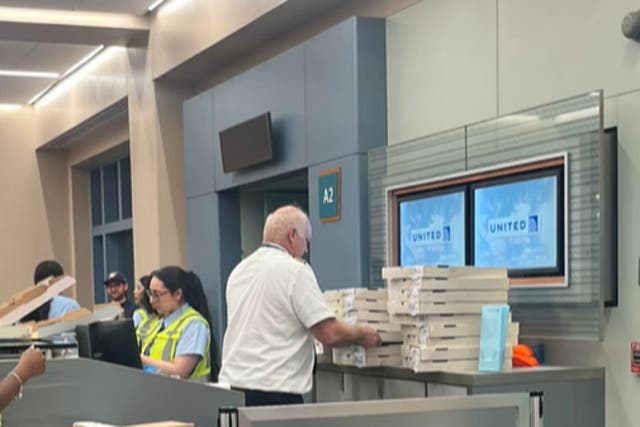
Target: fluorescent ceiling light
x,y
10,107
155,5
83,61
40,94
67,73
34,74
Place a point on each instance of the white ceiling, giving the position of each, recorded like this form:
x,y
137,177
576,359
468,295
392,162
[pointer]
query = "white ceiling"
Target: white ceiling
x,y
41,55
135,7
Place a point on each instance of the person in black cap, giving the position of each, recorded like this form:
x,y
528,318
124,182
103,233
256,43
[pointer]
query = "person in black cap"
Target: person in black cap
x,y
117,287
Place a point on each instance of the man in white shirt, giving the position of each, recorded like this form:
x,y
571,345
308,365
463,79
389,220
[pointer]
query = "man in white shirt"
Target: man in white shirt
x,y
275,309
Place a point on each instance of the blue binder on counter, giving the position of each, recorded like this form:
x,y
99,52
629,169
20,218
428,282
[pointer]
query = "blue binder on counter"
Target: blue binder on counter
x,y
493,336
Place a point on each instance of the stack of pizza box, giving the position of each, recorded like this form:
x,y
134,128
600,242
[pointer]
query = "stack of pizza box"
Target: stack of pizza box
x,y
439,311
360,305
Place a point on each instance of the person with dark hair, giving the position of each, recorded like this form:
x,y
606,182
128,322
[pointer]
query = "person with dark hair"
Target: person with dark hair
x,y
58,305
116,286
182,344
145,318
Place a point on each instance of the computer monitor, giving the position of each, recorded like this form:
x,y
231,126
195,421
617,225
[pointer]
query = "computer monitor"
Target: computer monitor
x,y
111,341
518,222
431,228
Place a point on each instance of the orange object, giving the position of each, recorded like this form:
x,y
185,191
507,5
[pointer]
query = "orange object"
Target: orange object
x,y
523,356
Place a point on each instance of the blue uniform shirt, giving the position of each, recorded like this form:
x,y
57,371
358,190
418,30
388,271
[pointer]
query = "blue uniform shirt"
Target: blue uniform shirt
x,y
62,305
194,338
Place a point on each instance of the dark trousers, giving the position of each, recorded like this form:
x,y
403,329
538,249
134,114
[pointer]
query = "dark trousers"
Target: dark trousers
x,y
266,398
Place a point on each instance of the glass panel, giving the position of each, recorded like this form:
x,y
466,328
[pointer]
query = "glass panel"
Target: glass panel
x,y
125,187
571,128
120,255
110,182
98,270
96,198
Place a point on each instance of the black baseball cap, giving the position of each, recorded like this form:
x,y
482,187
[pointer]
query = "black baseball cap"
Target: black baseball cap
x,y
115,276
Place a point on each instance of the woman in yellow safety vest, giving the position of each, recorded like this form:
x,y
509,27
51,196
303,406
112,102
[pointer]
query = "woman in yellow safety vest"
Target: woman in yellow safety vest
x,y
182,344
145,318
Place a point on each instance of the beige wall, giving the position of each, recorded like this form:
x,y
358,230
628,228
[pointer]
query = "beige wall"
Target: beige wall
x,y
183,28
453,62
33,220
47,212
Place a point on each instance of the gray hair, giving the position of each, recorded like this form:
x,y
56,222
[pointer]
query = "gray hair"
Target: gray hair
x,y
281,221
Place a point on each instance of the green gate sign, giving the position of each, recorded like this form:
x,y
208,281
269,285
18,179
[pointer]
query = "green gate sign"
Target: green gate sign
x,y
329,195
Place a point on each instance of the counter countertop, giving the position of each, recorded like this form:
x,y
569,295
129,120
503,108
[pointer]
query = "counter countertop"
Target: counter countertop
x,y
472,379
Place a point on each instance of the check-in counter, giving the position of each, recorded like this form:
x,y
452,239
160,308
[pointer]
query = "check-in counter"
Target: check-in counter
x,y
504,410
84,389
572,396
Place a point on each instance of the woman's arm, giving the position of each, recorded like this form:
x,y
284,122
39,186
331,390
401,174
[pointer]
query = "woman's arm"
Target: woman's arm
x,y
189,351
181,365
31,364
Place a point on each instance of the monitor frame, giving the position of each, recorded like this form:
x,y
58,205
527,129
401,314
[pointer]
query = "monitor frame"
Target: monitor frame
x,y
122,350
427,194
553,171
468,178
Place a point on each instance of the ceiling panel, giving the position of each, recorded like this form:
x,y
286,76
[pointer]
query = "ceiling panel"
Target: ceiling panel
x,y
40,56
136,7
18,90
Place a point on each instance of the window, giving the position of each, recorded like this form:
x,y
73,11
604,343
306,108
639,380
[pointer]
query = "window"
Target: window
x,y
112,226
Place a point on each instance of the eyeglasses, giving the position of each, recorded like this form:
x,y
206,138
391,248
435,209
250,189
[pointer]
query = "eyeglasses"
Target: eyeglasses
x,y
156,295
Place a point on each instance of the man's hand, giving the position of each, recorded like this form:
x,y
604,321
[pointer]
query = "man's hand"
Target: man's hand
x,y
369,337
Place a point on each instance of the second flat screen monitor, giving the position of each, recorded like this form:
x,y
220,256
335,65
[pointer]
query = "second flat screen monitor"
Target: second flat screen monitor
x,y
432,229
518,224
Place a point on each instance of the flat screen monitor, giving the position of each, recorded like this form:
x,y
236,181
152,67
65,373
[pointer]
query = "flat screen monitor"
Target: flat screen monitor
x,y
431,228
111,341
246,144
518,222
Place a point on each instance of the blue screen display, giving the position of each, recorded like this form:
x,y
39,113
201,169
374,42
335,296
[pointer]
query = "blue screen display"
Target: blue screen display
x,y
515,224
432,230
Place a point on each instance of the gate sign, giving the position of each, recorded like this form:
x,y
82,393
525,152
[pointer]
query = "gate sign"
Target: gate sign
x,y
329,195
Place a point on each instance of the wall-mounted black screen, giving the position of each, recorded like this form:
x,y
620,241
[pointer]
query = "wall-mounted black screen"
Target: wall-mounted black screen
x,y
246,144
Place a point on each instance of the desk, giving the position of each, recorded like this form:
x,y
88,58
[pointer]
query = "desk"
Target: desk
x,y
573,396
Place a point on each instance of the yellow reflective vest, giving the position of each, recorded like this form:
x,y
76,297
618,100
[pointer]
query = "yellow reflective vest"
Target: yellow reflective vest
x,y
149,323
162,344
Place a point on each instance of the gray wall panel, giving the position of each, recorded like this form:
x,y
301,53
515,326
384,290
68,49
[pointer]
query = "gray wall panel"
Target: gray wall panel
x,y
331,93
198,145
276,86
213,220
340,250
371,84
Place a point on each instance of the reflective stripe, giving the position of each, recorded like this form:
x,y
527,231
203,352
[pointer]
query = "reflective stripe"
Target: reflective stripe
x,y
148,325
162,345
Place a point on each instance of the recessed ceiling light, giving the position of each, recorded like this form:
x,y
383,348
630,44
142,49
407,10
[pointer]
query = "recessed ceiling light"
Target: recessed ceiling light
x,y
34,74
10,107
155,5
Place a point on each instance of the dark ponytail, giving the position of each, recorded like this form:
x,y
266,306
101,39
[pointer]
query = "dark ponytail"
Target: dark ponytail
x,y
189,283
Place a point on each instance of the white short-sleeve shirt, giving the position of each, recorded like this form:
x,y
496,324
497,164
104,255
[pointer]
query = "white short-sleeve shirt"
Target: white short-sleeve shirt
x,y
272,301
